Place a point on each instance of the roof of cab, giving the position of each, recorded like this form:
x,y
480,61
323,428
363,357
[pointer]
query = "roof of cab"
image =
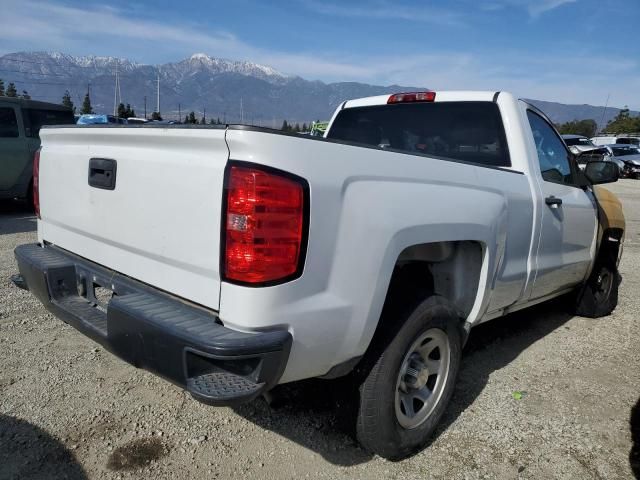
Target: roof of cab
x,y
32,103
441,96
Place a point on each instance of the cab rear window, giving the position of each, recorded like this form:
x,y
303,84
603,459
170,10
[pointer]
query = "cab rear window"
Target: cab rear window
x,y
466,131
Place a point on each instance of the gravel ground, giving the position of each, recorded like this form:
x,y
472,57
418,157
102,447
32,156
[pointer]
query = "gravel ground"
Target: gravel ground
x,y
68,409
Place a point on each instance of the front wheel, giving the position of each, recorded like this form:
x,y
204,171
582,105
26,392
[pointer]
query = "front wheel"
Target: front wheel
x,y
406,392
599,296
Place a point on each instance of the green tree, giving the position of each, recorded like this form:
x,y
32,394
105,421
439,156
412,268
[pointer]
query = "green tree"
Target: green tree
x,y
192,118
212,121
218,121
586,128
1,88
156,116
11,90
285,126
122,111
624,123
126,111
86,105
304,127
67,102
186,119
297,128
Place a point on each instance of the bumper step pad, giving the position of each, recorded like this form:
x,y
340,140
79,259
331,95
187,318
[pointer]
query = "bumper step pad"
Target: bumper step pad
x,y
222,385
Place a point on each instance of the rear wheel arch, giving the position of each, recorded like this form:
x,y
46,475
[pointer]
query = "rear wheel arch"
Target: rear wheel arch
x,y
449,270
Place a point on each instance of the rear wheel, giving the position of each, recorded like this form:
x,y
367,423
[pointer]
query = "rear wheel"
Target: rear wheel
x,y
406,392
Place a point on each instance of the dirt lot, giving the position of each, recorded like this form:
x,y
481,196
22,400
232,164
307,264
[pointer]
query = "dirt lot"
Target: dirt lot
x,y
68,409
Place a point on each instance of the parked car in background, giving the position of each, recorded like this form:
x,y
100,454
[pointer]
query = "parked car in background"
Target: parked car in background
x,y
632,166
632,140
601,140
622,150
627,139
20,122
629,156
136,121
578,143
94,119
626,157
600,154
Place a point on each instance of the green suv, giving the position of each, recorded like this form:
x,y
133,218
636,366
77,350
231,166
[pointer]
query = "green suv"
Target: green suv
x,y
20,122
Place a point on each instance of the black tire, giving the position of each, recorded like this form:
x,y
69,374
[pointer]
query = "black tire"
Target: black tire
x,y
598,297
378,427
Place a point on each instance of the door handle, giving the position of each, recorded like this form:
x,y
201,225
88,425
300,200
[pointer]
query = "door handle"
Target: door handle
x,y
553,201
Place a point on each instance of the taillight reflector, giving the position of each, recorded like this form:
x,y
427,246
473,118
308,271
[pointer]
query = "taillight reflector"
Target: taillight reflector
x,y
263,226
412,97
36,182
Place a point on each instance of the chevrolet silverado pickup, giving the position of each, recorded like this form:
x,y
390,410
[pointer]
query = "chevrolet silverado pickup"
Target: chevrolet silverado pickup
x,y
231,259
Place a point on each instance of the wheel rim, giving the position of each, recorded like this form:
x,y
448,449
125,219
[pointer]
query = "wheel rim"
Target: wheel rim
x,y
422,377
604,283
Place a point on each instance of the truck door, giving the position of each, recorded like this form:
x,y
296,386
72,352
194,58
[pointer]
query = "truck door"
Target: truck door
x,y
568,215
13,148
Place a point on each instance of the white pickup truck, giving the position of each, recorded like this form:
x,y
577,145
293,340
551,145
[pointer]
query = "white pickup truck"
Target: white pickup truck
x,y
232,259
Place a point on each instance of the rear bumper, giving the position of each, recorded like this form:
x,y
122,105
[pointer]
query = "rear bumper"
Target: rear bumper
x,y
155,331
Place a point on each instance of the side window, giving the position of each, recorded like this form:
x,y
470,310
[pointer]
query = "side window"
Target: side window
x,y
8,123
553,156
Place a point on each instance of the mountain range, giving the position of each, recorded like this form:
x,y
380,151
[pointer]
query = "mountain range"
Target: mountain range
x,y
234,91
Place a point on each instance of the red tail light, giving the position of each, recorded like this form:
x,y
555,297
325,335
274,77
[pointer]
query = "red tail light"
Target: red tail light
x,y
36,183
412,97
264,226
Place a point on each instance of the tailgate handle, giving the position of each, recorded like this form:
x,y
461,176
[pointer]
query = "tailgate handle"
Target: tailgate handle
x,y
102,173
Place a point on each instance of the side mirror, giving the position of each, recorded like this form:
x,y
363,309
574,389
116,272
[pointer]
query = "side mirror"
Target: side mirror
x,y
601,172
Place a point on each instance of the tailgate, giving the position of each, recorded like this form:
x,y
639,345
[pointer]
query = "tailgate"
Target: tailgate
x,y
160,224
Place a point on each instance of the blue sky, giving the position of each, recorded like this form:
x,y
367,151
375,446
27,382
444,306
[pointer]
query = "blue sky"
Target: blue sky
x,y
573,51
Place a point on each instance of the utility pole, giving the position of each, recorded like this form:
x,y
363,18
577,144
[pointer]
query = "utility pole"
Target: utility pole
x,y
145,107
158,102
604,111
204,115
241,112
179,114
116,92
